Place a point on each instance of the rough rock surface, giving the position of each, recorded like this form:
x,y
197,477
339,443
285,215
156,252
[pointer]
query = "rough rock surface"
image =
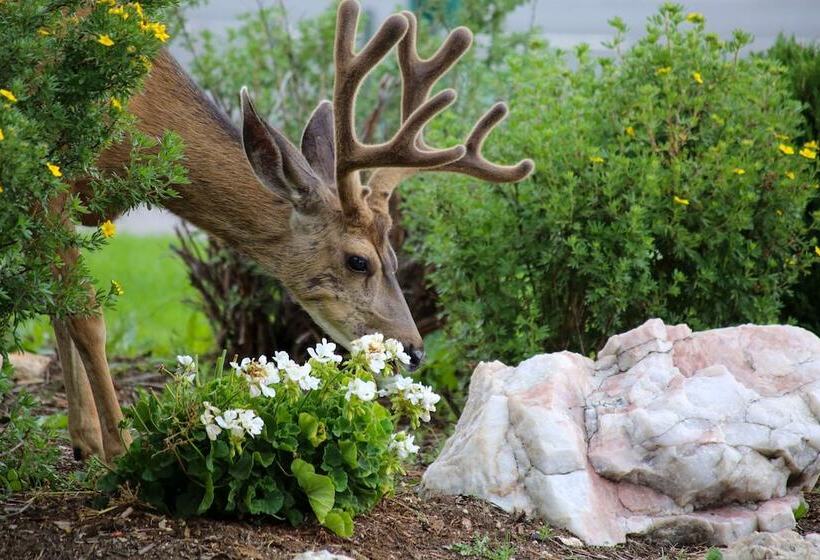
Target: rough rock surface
x,y
785,545
702,437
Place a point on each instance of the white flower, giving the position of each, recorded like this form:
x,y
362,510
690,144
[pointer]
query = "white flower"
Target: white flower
x,y
395,350
260,375
213,431
301,375
369,344
403,445
186,366
185,361
252,423
395,384
324,352
364,390
282,359
207,418
424,397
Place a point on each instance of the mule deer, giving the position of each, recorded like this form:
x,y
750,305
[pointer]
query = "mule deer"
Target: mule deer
x,y
304,215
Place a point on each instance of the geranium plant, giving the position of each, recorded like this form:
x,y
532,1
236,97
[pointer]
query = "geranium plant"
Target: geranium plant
x,y
276,438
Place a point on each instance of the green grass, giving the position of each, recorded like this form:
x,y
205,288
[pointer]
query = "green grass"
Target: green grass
x,y
155,315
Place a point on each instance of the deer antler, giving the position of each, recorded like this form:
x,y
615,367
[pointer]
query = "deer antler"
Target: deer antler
x,y
401,151
418,77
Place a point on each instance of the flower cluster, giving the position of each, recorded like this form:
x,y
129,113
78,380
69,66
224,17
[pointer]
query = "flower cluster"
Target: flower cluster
x,y
402,444
238,422
378,352
419,397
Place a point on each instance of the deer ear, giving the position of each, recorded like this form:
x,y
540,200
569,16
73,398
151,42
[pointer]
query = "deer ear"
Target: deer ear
x,y
275,161
318,142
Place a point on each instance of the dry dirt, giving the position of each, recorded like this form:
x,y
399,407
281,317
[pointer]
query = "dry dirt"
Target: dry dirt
x,y
73,525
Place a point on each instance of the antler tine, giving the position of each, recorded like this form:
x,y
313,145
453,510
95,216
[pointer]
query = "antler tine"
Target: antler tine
x,y
351,69
403,150
418,74
475,165
418,77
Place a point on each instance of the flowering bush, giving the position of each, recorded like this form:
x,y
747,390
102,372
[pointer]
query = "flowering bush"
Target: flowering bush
x,y
277,438
669,182
67,70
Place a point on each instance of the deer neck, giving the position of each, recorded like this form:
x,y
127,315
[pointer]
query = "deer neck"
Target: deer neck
x,y
223,196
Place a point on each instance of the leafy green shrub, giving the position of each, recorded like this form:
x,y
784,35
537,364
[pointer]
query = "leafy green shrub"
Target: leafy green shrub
x,y
666,185
275,438
802,65
67,69
27,453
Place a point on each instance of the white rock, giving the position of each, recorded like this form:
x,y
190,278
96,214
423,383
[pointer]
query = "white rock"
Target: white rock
x,y
785,545
320,555
691,437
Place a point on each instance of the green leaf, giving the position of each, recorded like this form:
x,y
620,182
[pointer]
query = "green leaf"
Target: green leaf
x,y
312,429
241,470
801,510
348,449
207,497
339,478
318,488
339,522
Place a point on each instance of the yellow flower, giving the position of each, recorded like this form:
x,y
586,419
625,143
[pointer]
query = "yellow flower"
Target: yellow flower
x,y
789,174
8,95
739,171
105,40
664,70
695,17
786,149
811,145
681,201
116,104
808,154
158,29
107,2
1,188
2,136
596,159
779,212
43,32
116,287
108,229
630,131
817,250
697,77
119,11
55,169
137,8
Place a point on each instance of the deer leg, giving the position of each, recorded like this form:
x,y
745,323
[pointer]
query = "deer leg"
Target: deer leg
x,y
88,334
83,421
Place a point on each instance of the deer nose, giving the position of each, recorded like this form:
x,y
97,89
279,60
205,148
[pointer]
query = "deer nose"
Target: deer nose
x,y
416,356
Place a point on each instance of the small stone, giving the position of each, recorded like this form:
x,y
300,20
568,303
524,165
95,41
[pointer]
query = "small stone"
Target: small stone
x,y
571,541
320,555
467,524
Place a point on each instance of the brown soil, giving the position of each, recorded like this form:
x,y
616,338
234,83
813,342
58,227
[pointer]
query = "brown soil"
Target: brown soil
x,y
69,525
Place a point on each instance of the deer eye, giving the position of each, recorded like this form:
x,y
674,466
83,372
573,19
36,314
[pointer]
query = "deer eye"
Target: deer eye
x,y
357,263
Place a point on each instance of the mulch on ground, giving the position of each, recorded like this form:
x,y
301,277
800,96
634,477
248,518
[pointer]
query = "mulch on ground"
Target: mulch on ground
x,y
73,525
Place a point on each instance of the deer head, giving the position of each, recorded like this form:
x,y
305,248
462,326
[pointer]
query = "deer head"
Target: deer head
x,y
338,260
